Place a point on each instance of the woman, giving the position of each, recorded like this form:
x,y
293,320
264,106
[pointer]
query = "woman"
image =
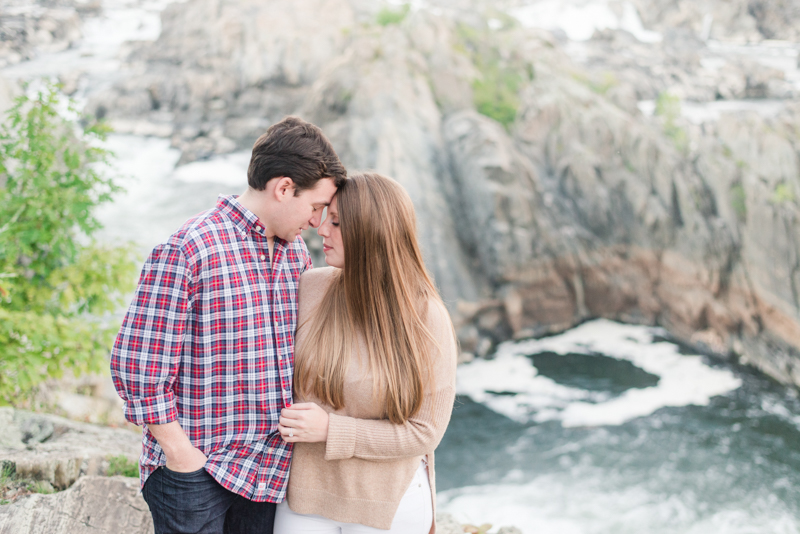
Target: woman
x,y
375,366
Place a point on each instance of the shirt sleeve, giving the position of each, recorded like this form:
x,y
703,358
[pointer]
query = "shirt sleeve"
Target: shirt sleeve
x,y
382,440
146,355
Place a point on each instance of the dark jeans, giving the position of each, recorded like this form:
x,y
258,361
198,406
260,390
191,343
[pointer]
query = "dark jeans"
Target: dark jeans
x,y
196,503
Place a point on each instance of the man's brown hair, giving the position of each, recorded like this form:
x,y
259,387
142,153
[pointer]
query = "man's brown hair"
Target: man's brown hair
x,y
298,150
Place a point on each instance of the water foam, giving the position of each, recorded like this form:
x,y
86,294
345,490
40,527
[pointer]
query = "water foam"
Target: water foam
x,y
579,20
143,167
510,384
583,503
104,35
228,169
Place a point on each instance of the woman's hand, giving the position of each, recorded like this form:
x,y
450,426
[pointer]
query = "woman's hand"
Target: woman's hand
x,y
303,422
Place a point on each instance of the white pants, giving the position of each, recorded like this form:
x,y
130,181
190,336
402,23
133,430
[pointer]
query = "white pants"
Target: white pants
x,y
414,515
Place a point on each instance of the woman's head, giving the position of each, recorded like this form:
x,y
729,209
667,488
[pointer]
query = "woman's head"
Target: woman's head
x,y
371,226
382,293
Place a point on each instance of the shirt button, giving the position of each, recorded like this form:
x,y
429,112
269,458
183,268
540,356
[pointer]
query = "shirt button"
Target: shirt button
x,y
280,357
263,257
258,228
269,451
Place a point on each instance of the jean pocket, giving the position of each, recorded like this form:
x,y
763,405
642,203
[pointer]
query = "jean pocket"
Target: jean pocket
x,y
185,474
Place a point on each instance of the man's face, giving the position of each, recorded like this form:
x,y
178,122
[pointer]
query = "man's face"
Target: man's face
x,y
304,210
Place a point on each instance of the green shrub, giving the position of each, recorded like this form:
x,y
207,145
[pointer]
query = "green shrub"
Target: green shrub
x,y
501,75
40,486
55,280
387,16
738,202
600,85
120,465
783,193
495,93
668,107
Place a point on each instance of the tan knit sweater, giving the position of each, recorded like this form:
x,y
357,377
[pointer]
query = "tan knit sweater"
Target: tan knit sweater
x,y
362,472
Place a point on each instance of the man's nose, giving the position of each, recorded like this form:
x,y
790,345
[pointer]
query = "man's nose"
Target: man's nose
x,y
314,221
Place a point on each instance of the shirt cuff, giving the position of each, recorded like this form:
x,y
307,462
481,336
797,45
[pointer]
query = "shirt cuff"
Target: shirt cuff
x,y
341,442
157,410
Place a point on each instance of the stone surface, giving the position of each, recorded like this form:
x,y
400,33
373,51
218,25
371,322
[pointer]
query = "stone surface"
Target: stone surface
x,y
27,28
51,449
93,505
447,524
581,206
749,20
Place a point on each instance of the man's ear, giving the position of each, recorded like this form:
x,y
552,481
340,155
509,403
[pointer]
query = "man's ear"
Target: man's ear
x,y
284,188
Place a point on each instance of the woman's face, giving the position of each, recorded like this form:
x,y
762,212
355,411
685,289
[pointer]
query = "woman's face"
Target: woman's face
x,y
332,237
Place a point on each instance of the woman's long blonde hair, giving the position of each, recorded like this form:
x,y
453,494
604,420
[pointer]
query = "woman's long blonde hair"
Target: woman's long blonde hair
x,y
382,293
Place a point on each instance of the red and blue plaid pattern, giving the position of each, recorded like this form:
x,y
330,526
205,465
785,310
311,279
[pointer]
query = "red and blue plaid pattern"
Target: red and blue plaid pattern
x,y
208,341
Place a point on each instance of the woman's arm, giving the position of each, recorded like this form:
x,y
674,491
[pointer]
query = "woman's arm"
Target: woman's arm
x,y
369,439
380,439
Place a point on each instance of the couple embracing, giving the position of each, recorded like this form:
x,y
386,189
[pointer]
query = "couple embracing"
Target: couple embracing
x,y
243,364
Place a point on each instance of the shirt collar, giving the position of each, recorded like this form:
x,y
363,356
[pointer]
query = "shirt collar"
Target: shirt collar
x,y
245,220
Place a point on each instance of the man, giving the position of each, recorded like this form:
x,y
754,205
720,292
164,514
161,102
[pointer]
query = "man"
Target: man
x,y
204,357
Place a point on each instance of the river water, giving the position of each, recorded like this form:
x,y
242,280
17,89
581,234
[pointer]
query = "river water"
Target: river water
x,y
613,429
604,429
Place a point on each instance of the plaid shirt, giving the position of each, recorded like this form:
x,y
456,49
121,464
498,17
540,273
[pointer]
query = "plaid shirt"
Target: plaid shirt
x,y
208,341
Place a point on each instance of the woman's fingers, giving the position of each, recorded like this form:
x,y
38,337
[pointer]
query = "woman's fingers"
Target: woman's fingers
x,y
293,423
288,434
303,406
292,413
303,422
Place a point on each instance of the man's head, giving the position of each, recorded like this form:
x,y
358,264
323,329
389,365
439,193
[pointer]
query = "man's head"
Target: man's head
x,y
298,150
294,165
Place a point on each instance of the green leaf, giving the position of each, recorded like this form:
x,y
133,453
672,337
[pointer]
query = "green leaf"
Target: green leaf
x,y
56,282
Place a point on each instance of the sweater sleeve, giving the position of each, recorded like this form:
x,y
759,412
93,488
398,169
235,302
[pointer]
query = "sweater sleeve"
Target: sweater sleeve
x,y
382,440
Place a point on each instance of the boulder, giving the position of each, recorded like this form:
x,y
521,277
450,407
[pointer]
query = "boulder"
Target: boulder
x,y
574,204
93,505
28,29
56,451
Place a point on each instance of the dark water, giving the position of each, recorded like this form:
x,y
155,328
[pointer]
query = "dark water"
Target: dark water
x,y
731,466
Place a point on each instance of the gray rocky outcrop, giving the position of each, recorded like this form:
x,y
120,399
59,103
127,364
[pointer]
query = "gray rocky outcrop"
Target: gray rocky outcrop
x,y
242,65
682,64
110,505
93,505
447,524
747,20
579,206
56,452
27,28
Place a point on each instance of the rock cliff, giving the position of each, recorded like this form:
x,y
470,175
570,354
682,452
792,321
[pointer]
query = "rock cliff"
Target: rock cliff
x,y
94,505
55,452
28,28
545,195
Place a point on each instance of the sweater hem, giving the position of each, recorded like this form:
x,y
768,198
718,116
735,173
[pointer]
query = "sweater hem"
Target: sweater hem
x,y
343,509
